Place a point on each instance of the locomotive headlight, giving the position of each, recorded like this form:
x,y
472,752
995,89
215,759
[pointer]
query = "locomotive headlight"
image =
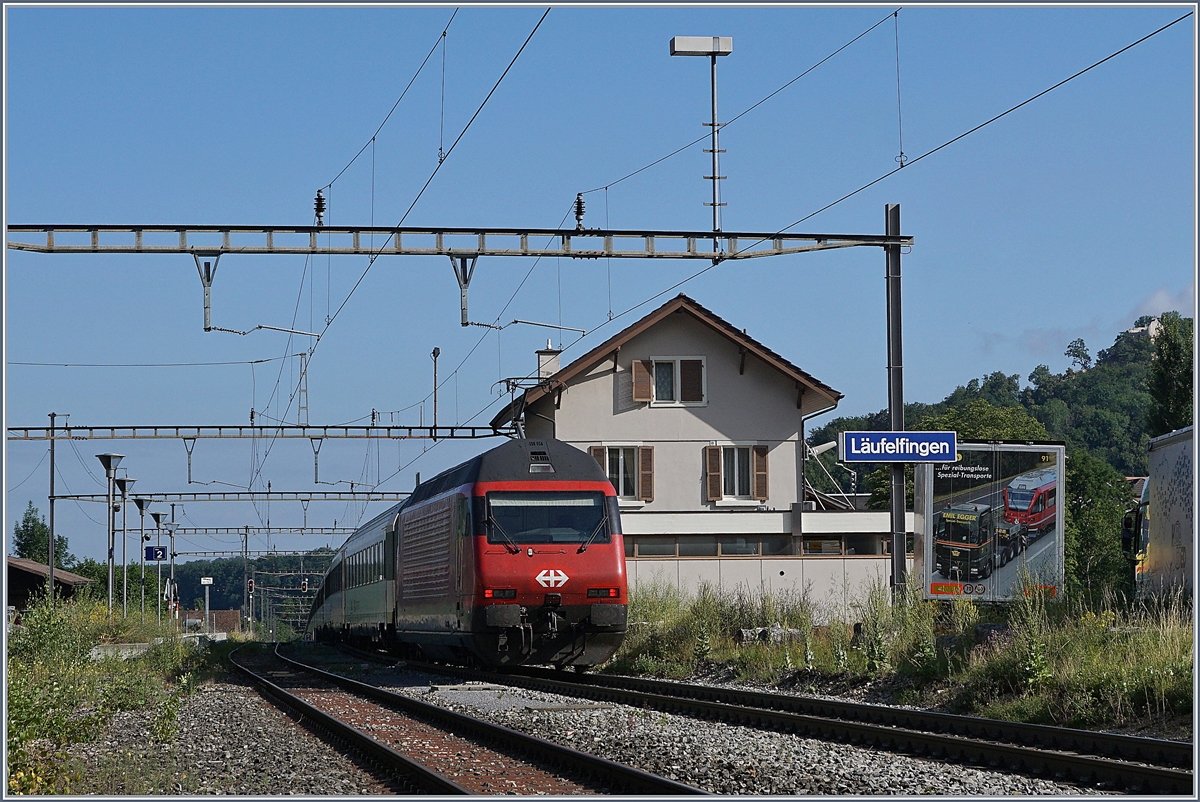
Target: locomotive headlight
x,y
500,593
604,593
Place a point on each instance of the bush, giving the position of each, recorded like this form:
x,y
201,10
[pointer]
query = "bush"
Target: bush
x,y
59,695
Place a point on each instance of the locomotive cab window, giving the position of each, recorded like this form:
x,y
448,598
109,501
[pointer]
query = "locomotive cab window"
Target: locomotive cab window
x,y
547,517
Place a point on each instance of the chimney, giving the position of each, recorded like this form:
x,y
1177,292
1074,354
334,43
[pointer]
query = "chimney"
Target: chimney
x,y
547,361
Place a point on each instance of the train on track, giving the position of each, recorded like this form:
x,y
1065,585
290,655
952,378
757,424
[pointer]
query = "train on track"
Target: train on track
x,y
513,557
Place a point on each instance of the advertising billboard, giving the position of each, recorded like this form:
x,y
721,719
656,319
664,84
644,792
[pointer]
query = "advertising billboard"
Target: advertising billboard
x,y
990,525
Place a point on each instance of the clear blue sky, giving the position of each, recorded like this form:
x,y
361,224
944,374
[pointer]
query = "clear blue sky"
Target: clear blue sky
x,y
1068,218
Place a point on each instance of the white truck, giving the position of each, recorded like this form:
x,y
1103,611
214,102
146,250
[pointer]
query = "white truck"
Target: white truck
x,y
1158,534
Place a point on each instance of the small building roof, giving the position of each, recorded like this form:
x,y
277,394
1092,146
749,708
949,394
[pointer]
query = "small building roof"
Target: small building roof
x,y
41,569
680,303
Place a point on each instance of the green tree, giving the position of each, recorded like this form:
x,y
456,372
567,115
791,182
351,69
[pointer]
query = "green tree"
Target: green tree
x,y
1170,380
1077,351
1096,499
31,540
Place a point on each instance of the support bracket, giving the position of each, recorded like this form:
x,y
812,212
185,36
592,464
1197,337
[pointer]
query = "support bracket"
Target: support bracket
x,y
189,443
464,269
208,272
316,447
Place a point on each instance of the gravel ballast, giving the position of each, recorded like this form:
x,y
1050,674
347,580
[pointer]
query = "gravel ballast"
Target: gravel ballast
x,y
720,758
230,741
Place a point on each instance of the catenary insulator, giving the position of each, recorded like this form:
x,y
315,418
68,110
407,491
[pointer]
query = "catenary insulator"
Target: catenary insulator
x,y
319,208
579,211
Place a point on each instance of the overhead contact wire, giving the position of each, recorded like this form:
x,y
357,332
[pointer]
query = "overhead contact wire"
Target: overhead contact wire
x,y
432,175
893,171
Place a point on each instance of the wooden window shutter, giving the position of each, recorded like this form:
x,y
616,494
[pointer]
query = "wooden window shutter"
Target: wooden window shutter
x,y
641,380
691,381
646,473
759,461
598,454
712,473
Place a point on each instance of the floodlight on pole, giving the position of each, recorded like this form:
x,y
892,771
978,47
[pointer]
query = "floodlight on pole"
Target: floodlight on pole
x,y
123,484
142,504
158,516
711,46
110,463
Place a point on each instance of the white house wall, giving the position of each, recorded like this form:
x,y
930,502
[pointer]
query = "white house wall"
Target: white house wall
x,y
757,407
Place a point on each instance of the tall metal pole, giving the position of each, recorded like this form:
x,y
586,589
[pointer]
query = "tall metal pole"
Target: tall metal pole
x,y
245,567
157,516
171,527
111,543
206,627
716,176
895,368
125,483
142,503
50,559
436,353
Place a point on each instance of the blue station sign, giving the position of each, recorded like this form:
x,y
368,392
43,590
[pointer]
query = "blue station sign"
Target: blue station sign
x,y
898,446
156,553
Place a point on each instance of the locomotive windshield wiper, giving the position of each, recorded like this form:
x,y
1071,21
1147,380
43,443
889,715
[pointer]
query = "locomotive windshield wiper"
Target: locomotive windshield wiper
x,y
508,540
592,536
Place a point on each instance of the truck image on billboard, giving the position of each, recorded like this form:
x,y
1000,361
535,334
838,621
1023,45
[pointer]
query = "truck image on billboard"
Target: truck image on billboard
x,y
989,526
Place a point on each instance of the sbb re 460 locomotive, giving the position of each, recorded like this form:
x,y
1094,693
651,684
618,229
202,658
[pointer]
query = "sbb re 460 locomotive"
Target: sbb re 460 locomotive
x,y
512,557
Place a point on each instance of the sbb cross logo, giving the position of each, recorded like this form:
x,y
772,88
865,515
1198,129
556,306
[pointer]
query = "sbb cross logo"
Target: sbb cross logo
x,y
552,578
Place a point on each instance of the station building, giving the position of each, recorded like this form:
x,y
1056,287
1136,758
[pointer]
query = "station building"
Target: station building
x,y
701,430
28,578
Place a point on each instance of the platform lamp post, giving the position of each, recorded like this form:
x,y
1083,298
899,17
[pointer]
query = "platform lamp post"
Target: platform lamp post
x,y
171,527
110,463
142,504
123,484
158,516
711,46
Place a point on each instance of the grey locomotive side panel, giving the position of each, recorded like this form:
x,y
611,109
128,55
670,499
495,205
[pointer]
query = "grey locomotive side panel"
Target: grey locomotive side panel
x,y
427,567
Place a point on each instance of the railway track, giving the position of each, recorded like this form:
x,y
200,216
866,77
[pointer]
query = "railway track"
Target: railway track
x,y
1119,762
441,752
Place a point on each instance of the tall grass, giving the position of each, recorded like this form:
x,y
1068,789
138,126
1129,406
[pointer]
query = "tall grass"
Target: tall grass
x,y
1067,663
59,695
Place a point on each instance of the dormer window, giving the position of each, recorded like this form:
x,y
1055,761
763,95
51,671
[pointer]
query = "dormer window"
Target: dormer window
x,y
670,381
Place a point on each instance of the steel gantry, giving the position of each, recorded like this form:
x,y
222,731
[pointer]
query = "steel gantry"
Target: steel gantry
x,y
270,495
311,433
578,243
464,246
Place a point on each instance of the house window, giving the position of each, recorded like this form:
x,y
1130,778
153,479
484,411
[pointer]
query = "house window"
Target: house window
x,y
664,381
629,468
735,473
622,470
670,381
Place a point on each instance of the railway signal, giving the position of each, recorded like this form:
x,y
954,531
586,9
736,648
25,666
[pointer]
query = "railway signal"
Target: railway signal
x,y
250,585
304,585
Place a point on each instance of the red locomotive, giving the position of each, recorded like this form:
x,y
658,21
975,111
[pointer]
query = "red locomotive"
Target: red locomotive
x,y
513,557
